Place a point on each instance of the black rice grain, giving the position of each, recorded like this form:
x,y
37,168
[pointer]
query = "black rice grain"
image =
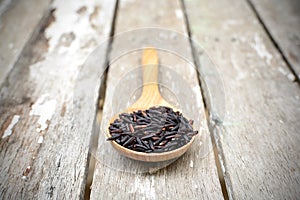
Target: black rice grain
x,y
158,129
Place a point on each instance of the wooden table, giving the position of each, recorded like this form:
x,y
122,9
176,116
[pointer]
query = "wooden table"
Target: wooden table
x,y
56,95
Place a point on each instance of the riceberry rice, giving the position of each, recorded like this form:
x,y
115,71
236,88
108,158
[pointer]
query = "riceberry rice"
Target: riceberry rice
x,y
158,129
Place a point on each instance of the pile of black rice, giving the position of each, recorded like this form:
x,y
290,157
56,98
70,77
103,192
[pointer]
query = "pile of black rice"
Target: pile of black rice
x,y
156,130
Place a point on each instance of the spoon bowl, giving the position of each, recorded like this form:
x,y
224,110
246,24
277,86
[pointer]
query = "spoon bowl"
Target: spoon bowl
x,y
152,157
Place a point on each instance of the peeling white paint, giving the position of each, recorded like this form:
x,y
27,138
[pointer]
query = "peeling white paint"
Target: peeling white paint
x,y
196,90
291,77
281,70
61,64
43,107
178,14
13,122
78,25
41,139
240,73
191,164
261,50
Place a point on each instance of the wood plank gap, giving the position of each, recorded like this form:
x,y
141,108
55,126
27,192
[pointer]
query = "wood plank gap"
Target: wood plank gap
x,y
220,161
38,28
99,112
217,149
186,20
251,5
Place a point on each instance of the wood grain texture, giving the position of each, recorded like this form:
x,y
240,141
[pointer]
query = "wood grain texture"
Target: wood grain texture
x,y
282,19
193,176
44,155
17,25
259,141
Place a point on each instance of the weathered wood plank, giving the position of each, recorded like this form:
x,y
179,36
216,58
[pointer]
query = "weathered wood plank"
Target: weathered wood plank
x,y
194,175
18,20
259,140
282,18
44,152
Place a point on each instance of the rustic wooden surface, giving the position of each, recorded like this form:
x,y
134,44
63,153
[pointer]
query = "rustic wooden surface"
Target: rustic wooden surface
x,y
17,25
130,178
282,19
44,145
259,141
49,95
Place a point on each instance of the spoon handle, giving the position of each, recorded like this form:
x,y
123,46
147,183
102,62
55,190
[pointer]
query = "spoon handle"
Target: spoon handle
x,y
150,70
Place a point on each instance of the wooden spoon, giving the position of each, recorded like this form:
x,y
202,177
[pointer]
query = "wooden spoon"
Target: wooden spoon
x,y
150,97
